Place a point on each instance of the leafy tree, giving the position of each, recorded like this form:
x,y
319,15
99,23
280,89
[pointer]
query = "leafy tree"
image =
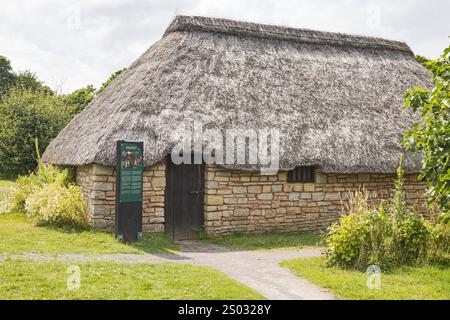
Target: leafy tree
x,y
29,81
110,79
427,63
29,109
24,116
421,59
79,99
430,136
7,76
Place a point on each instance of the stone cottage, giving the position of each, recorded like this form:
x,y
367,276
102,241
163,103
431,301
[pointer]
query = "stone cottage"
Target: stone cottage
x,y
335,99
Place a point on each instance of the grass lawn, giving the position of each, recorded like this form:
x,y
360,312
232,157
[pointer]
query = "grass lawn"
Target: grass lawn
x,y
18,234
424,282
20,279
266,241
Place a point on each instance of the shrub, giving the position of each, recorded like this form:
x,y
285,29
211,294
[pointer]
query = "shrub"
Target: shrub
x,y
57,204
392,234
16,197
439,250
377,237
25,186
49,196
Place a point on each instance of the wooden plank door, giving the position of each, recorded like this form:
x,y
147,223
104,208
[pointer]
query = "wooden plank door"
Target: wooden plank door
x,y
184,199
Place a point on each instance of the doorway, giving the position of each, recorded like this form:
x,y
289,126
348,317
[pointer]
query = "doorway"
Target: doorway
x,y
184,199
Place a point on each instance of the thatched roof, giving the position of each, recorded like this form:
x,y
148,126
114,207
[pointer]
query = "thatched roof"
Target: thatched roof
x,y
337,99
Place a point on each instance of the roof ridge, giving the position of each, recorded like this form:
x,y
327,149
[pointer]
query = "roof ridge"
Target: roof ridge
x,y
242,28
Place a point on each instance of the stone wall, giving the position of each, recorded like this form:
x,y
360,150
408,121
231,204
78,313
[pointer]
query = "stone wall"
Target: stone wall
x,y
99,187
249,202
245,201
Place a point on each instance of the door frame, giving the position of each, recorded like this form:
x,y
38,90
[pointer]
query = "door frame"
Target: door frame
x,y
170,197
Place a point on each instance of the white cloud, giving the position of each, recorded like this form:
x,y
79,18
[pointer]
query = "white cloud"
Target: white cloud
x,y
75,43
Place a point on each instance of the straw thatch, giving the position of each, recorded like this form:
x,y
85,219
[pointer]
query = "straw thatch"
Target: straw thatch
x,y
336,99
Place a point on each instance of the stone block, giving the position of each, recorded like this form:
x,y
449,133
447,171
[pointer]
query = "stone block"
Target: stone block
x,y
239,189
330,196
277,188
318,196
159,182
212,184
153,228
214,200
102,186
265,196
240,212
230,200
294,196
254,189
99,210
214,215
100,224
159,173
321,178
98,169
98,195
155,199
223,191
309,187
305,195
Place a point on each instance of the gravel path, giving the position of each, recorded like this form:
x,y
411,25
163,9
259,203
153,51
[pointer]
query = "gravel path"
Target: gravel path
x,y
259,270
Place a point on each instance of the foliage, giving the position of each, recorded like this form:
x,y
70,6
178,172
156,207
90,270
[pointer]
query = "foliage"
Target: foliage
x,y
5,186
110,79
49,196
24,116
440,243
79,99
29,109
430,136
26,185
28,80
25,79
57,204
7,76
421,59
391,235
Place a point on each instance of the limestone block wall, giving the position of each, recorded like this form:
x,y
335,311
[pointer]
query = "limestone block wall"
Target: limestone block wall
x,y
245,201
99,187
249,202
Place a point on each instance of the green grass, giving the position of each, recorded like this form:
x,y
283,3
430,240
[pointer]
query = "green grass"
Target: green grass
x,y
266,241
423,282
21,279
18,234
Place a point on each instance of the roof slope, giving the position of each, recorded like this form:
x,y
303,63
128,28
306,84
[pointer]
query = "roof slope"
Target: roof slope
x,y
336,99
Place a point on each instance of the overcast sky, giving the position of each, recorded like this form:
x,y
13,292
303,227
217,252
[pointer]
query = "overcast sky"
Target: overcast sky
x,y
70,43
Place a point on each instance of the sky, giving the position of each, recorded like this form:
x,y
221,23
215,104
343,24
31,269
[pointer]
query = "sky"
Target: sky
x,y
72,43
